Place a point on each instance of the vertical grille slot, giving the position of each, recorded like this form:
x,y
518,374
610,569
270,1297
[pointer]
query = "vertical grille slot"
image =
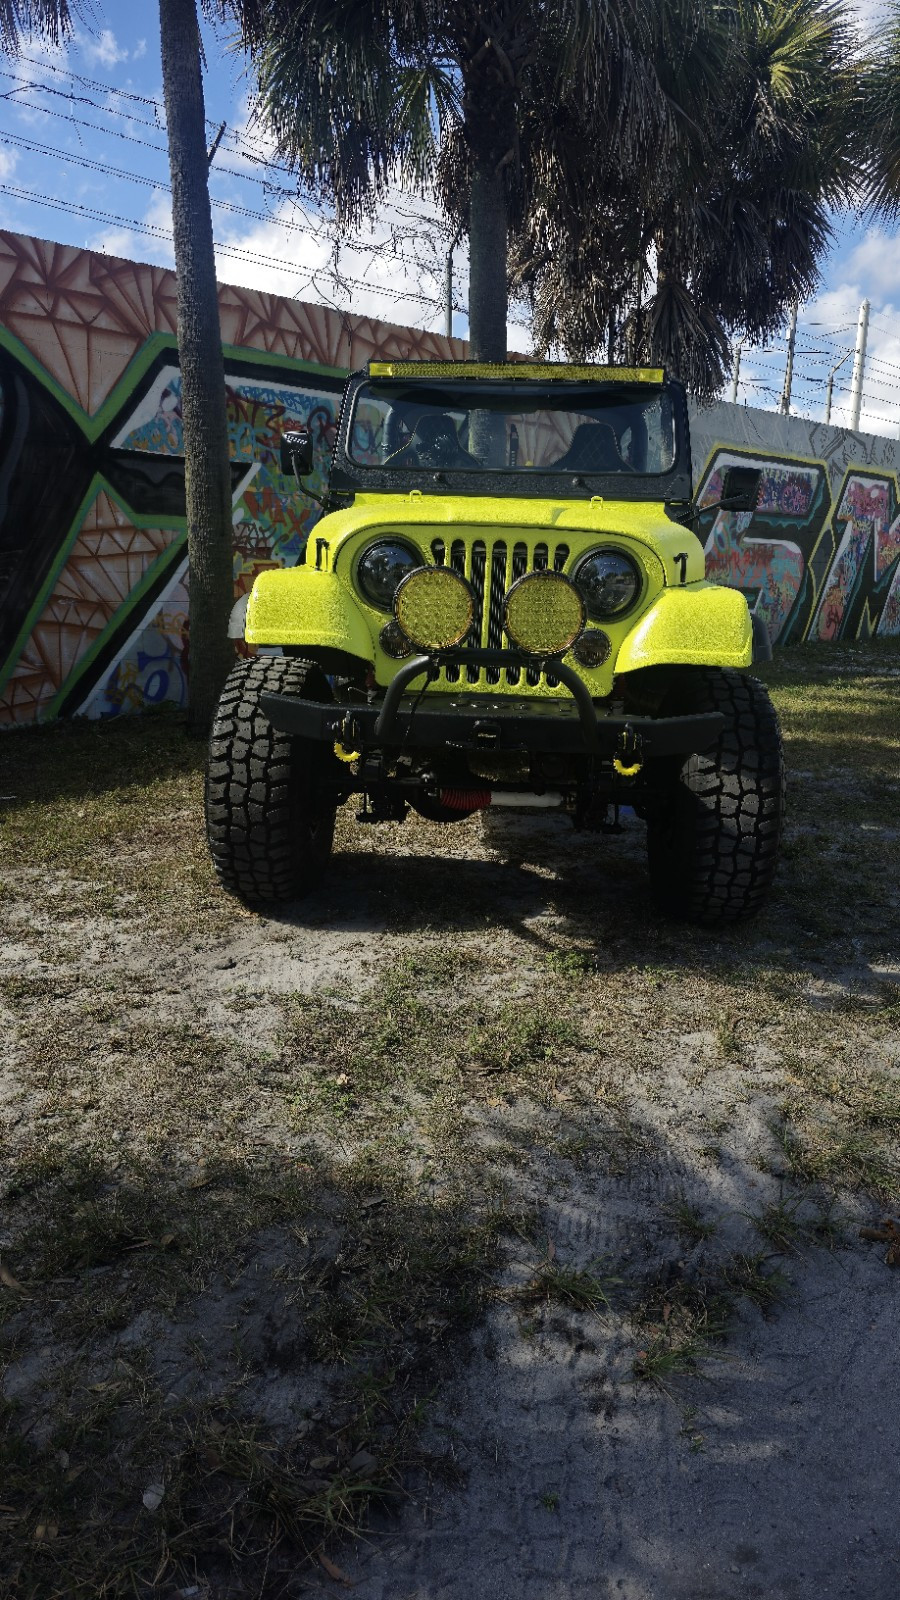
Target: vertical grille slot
x,y
458,563
479,557
518,570
538,564
438,551
493,633
560,557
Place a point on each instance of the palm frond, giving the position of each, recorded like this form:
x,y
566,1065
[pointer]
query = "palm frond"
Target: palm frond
x,y
52,19
877,122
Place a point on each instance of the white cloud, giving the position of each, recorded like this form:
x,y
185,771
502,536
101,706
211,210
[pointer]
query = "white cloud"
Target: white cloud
x,y
872,13
135,245
380,273
875,264
139,51
8,159
391,269
103,50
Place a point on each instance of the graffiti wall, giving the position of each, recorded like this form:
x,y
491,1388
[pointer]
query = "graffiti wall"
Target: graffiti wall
x,y
819,558
93,573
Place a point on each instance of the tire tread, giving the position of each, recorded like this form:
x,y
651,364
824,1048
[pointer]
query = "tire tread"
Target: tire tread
x,y
713,857
268,838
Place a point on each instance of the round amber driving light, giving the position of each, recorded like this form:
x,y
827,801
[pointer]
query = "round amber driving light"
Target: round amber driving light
x,y
434,606
544,613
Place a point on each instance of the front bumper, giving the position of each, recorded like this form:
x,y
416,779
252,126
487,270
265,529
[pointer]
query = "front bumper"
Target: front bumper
x,y
480,721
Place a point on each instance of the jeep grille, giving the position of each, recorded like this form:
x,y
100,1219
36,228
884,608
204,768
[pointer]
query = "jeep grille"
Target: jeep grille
x,y
492,570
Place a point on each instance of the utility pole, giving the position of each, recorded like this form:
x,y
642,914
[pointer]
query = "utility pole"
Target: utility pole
x,y
736,372
830,390
448,283
789,369
211,152
859,365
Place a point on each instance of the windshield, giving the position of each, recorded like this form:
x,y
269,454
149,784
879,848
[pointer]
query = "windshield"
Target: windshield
x,y
484,427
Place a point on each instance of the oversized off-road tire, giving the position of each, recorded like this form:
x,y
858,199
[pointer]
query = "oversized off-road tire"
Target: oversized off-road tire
x,y
712,839
269,811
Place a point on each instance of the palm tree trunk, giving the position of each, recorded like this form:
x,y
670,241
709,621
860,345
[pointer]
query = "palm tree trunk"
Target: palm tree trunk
x,y
487,263
207,470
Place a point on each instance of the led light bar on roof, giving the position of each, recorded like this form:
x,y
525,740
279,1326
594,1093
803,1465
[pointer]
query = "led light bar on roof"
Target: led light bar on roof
x,y
558,370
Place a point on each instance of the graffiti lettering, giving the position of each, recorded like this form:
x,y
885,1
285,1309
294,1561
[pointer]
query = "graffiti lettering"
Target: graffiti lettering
x,y
812,567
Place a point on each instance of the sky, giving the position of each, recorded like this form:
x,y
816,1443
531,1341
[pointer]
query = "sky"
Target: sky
x,y
83,161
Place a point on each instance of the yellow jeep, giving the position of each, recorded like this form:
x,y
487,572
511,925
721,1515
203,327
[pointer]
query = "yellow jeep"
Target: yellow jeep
x,y
504,605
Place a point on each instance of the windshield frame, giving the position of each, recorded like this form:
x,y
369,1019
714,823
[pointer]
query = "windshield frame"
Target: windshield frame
x,y
349,476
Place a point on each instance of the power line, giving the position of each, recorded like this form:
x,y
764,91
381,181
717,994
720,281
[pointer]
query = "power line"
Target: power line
x,y
240,144
257,257
89,83
386,246
422,222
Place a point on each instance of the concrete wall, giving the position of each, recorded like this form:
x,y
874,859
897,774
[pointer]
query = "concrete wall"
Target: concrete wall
x,y
820,557
93,597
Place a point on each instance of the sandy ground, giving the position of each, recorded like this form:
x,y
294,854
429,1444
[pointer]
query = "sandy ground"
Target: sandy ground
x,y
708,1144
773,1474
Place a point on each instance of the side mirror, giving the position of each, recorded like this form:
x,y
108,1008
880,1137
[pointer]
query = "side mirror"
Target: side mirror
x,y
740,488
297,453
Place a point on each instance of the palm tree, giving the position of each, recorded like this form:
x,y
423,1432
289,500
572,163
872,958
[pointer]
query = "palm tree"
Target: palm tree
x,y
207,469
724,229
456,97
877,120
206,454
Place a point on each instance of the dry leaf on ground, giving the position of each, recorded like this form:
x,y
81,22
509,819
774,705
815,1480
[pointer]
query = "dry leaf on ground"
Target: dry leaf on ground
x,y
335,1572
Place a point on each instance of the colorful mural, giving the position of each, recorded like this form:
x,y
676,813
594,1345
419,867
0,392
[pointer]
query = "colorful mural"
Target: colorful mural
x,y
93,573
813,564
93,598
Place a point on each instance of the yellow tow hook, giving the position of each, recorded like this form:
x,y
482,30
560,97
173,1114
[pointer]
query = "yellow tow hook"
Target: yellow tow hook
x,y
349,731
628,760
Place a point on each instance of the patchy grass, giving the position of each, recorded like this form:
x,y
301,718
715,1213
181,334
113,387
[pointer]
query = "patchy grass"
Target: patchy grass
x,y
86,822
566,1285
841,1117
347,1292
690,1222
789,1223
259,1174
685,1321
680,1329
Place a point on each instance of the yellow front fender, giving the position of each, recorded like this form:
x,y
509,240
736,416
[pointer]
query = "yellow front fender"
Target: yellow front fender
x,y
703,624
299,605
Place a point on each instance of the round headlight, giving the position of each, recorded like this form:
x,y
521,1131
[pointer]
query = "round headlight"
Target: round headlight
x,y
434,607
382,568
610,582
544,613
